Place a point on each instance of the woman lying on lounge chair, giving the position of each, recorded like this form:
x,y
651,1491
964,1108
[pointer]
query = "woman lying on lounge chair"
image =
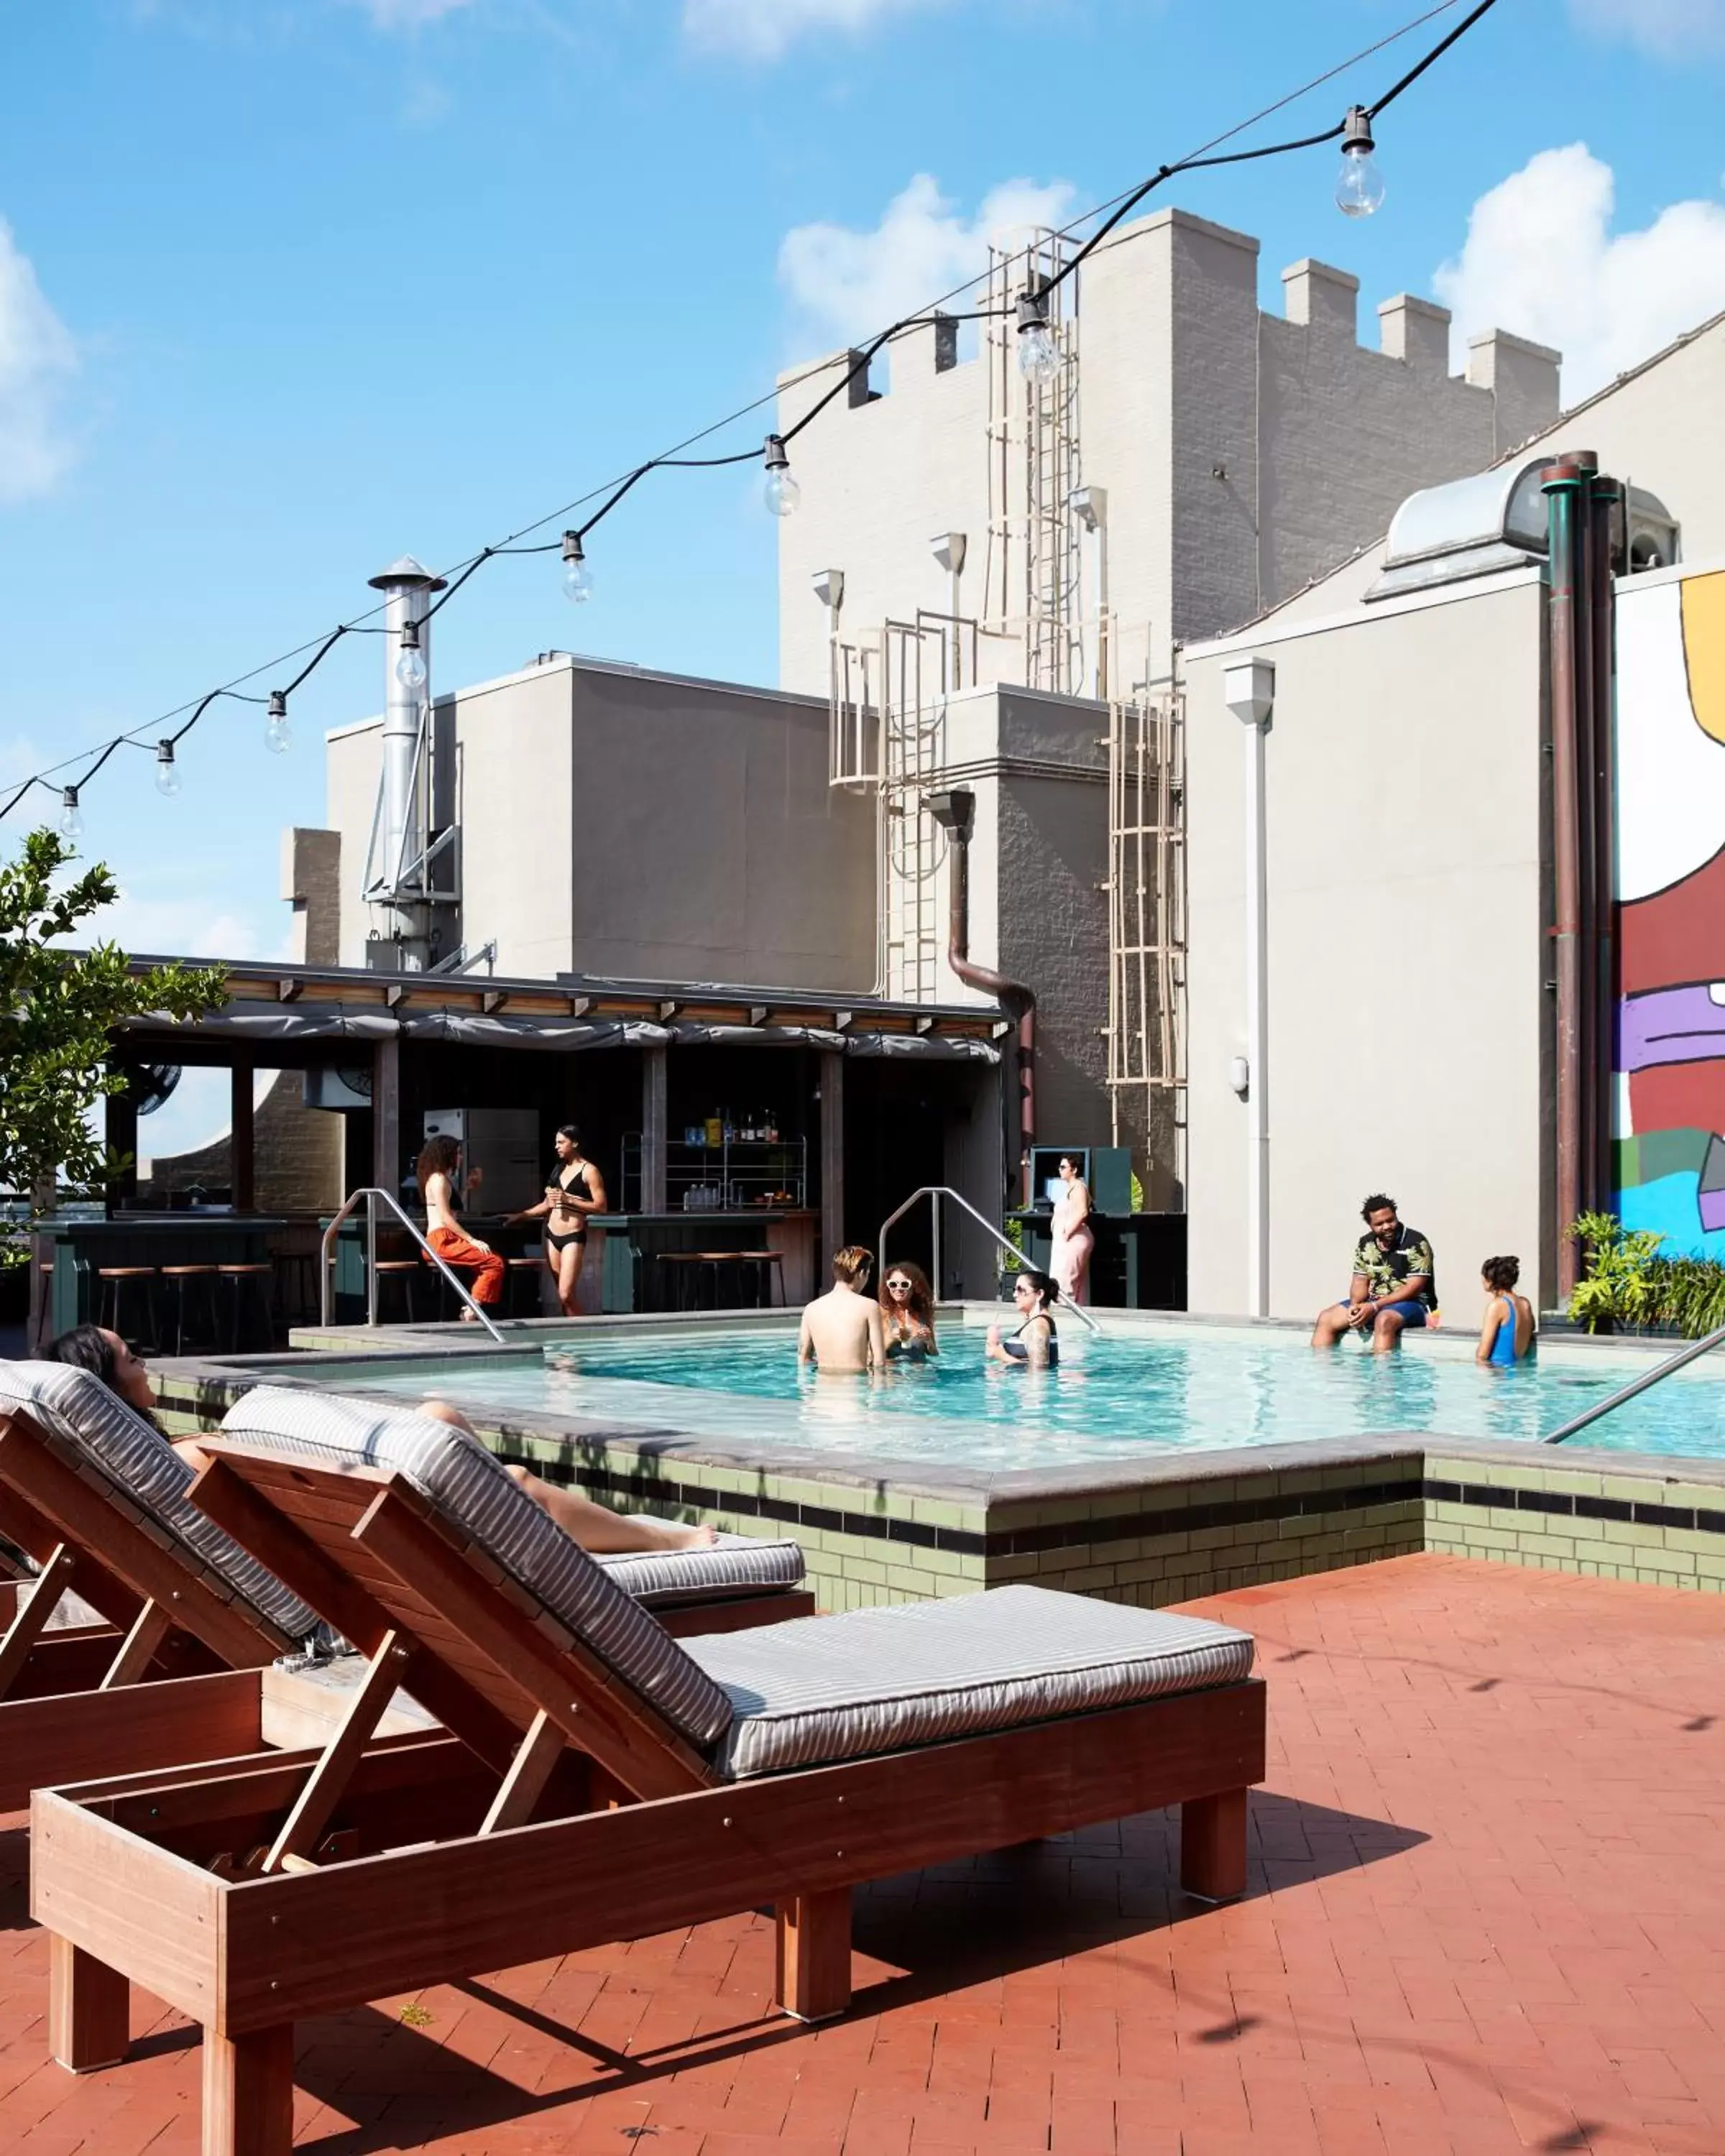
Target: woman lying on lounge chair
x,y
92,1348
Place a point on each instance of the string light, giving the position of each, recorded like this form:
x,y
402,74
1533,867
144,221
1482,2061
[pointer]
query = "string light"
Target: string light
x,y
1360,182
410,668
1038,353
780,489
577,578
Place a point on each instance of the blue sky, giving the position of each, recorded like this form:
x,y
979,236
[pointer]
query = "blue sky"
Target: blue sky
x,y
294,286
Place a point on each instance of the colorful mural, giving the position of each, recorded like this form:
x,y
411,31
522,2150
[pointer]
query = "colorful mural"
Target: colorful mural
x,y
1670,1111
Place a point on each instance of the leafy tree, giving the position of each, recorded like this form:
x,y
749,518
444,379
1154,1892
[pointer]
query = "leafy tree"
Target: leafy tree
x,y
57,1010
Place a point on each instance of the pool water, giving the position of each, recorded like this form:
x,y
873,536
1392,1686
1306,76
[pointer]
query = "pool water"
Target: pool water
x,y
1193,1389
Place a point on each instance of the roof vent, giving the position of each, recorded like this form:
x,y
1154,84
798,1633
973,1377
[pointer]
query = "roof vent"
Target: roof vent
x,y
1469,527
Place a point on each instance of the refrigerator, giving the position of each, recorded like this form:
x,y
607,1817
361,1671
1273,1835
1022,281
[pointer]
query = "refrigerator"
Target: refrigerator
x,y
502,1144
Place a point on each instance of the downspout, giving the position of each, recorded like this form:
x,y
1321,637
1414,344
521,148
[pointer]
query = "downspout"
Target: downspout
x,y
1249,690
1562,486
955,811
1607,494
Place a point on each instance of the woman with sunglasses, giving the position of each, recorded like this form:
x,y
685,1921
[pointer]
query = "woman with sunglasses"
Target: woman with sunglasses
x,y
907,1313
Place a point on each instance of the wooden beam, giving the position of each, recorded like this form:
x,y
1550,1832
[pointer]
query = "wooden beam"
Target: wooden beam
x,y
832,1158
524,1783
241,1154
594,1708
813,1956
248,2092
139,1648
326,1784
167,1574
655,1132
75,1736
386,1115
233,1500
31,1621
1212,1845
89,2010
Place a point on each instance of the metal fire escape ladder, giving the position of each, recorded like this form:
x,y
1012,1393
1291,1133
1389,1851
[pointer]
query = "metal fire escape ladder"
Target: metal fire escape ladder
x,y
1147,911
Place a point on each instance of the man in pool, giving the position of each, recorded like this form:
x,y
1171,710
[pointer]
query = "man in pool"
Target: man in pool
x,y
842,1329
1394,1282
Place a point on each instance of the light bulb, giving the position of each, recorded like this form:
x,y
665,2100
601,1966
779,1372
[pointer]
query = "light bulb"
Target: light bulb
x,y
779,491
168,774
577,578
410,667
71,815
1359,184
1039,353
278,734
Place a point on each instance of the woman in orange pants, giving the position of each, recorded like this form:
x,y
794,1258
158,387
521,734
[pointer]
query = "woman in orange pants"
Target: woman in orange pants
x,y
438,1163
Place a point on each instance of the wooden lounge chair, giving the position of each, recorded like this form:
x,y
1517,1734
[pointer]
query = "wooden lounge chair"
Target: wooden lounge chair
x,y
597,1781
98,1500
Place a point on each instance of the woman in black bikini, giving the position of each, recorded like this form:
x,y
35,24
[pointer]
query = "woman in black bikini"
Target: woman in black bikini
x,y
578,1189
1034,1345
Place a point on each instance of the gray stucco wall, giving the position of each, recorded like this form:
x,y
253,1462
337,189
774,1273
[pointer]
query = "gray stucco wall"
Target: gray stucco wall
x,y
619,822
1406,960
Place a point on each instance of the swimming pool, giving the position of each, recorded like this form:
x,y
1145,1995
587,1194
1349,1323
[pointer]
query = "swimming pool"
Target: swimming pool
x,y
1170,1389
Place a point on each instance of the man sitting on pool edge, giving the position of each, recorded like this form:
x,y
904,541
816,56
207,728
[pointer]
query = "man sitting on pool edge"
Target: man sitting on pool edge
x,y
1394,1282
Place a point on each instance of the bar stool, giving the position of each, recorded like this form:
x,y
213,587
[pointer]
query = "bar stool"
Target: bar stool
x,y
680,1275
250,1306
125,1303
195,1318
524,1274
767,1266
404,1273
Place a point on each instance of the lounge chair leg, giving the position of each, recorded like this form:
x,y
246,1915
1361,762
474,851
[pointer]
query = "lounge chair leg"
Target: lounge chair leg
x,y
813,1974
248,2092
1212,1845
88,2009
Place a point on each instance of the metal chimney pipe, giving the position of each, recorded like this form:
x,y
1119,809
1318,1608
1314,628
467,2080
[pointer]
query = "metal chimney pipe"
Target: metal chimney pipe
x,y
406,585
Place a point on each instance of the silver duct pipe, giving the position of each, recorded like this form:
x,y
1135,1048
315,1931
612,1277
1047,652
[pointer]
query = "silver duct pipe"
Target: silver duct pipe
x,y
406,587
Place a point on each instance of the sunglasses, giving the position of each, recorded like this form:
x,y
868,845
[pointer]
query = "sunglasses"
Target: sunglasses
x,y
896,1285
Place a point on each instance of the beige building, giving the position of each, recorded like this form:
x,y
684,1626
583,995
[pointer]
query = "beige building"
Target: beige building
x,y
1195,460
1395,1029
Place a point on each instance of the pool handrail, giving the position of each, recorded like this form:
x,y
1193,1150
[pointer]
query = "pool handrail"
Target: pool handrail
x,y
1687,1353
370,1195
937,1191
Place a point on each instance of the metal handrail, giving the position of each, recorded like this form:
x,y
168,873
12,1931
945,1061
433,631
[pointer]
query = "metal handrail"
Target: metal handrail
x,y
1689,1354
371,1197
937,1191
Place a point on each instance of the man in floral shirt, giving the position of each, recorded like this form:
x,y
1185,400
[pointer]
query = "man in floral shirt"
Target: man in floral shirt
x,y
1394,1282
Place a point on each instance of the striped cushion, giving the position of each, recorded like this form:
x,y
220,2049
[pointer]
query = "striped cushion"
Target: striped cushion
x,y
827,1688
735,1565
138,1462
473,1491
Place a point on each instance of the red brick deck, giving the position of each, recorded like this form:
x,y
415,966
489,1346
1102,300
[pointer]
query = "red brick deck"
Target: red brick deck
x,y
1487,1912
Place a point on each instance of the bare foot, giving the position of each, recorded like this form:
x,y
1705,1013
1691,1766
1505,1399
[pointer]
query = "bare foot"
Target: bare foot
x,y
667,1537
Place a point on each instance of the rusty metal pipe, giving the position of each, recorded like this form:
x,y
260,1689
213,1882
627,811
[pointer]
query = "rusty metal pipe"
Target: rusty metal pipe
x,y
1606,494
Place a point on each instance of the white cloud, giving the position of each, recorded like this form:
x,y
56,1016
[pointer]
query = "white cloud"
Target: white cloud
x,y
1541,260
408,14
37,354
848,285
1669,29
761,29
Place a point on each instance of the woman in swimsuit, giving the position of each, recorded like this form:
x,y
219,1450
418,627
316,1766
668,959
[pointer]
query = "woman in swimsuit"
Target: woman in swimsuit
x,y
907,1313
1035,1345
577,1188
1506,1334
438,1171
1072,1236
